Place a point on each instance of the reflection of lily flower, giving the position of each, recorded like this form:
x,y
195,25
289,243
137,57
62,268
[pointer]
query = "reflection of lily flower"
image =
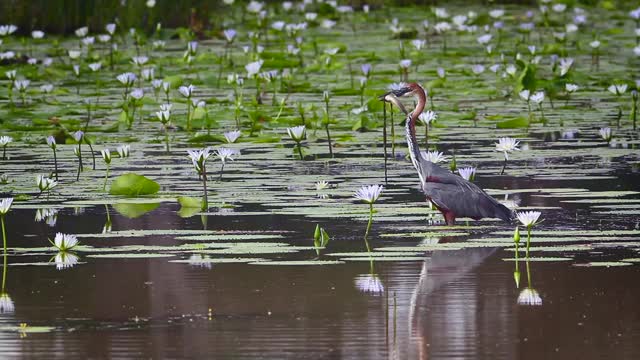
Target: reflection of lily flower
x,y
369,284
200,260
529,297
65,260
6,304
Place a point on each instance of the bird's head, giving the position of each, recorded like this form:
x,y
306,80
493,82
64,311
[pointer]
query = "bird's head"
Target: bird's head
x,y
400,90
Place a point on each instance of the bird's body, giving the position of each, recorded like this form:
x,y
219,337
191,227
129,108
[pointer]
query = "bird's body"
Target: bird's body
x,y
452,195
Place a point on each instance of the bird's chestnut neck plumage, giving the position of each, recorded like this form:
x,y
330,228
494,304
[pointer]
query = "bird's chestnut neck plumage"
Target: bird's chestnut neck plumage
x,y
412,141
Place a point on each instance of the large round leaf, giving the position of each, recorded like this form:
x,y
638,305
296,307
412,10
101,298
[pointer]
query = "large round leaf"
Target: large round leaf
x,y
133,185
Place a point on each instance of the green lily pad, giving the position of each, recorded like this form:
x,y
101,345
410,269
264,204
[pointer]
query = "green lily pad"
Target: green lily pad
x,y
133,185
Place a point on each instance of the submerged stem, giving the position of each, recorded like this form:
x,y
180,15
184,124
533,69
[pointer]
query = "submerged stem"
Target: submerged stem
x,y
504,166
205,202
55,163
299,150
366,234
528,240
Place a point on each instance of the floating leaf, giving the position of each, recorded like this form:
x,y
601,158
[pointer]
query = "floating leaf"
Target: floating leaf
x,y
133,185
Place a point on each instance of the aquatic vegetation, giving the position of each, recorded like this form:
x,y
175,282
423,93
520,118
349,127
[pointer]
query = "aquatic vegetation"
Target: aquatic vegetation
x,y
225,154
605,134
320,239
369,194
45,183
5,206
199,159
529,297
297,134
528,219
64,242
106,156
467,173
506,145
4,142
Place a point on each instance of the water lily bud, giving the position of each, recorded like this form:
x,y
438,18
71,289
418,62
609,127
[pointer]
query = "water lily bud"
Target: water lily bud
x,y
516,235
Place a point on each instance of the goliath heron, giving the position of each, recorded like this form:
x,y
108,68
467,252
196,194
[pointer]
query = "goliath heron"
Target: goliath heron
x,y
452,195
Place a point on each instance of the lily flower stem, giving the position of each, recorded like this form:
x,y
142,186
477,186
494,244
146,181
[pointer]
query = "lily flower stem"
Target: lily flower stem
x,y
326,126
516,273
299,150
106,177
93,154
384,138
189,114
55,163
528,272
504,166
221,171
4,237
80,165
393,134
366,234
426,136
205,202
528,242
166,138
4,152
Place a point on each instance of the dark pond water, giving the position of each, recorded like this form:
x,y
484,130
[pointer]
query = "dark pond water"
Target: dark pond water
x,y
449,304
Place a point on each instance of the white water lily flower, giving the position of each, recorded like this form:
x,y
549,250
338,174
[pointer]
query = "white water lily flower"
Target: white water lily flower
x,y
559,7
51,141
232,136
494,68
46,88
65,260
111,28
127,78
331,51
78,135
467,173
441,73
42,214
123,151
636,50
428,117
95,66
148,73
198,158
321,185
511,70
103,38
617,89
537,97
528,218
65,242
253,68
37,34
106,155
45,183
74,54
565,65
605,133
366,69
418,44
496,13
139,60
571,87
163,116
529,297
328,24
11,74
225,154
82,32
186,91
5,205
156,84
297,133
137,94
370,284
5,140
405,63
434,156
89,40
442,27
22,85
507,145
477,69
369,193
7,29
396,86
525,95
6,304
441,13
254,6
484,39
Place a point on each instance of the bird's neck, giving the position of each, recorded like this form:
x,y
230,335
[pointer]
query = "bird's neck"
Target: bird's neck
x,y
412,141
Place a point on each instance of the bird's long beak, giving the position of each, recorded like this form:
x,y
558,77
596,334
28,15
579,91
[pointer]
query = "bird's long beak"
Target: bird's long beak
x,y
391,98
